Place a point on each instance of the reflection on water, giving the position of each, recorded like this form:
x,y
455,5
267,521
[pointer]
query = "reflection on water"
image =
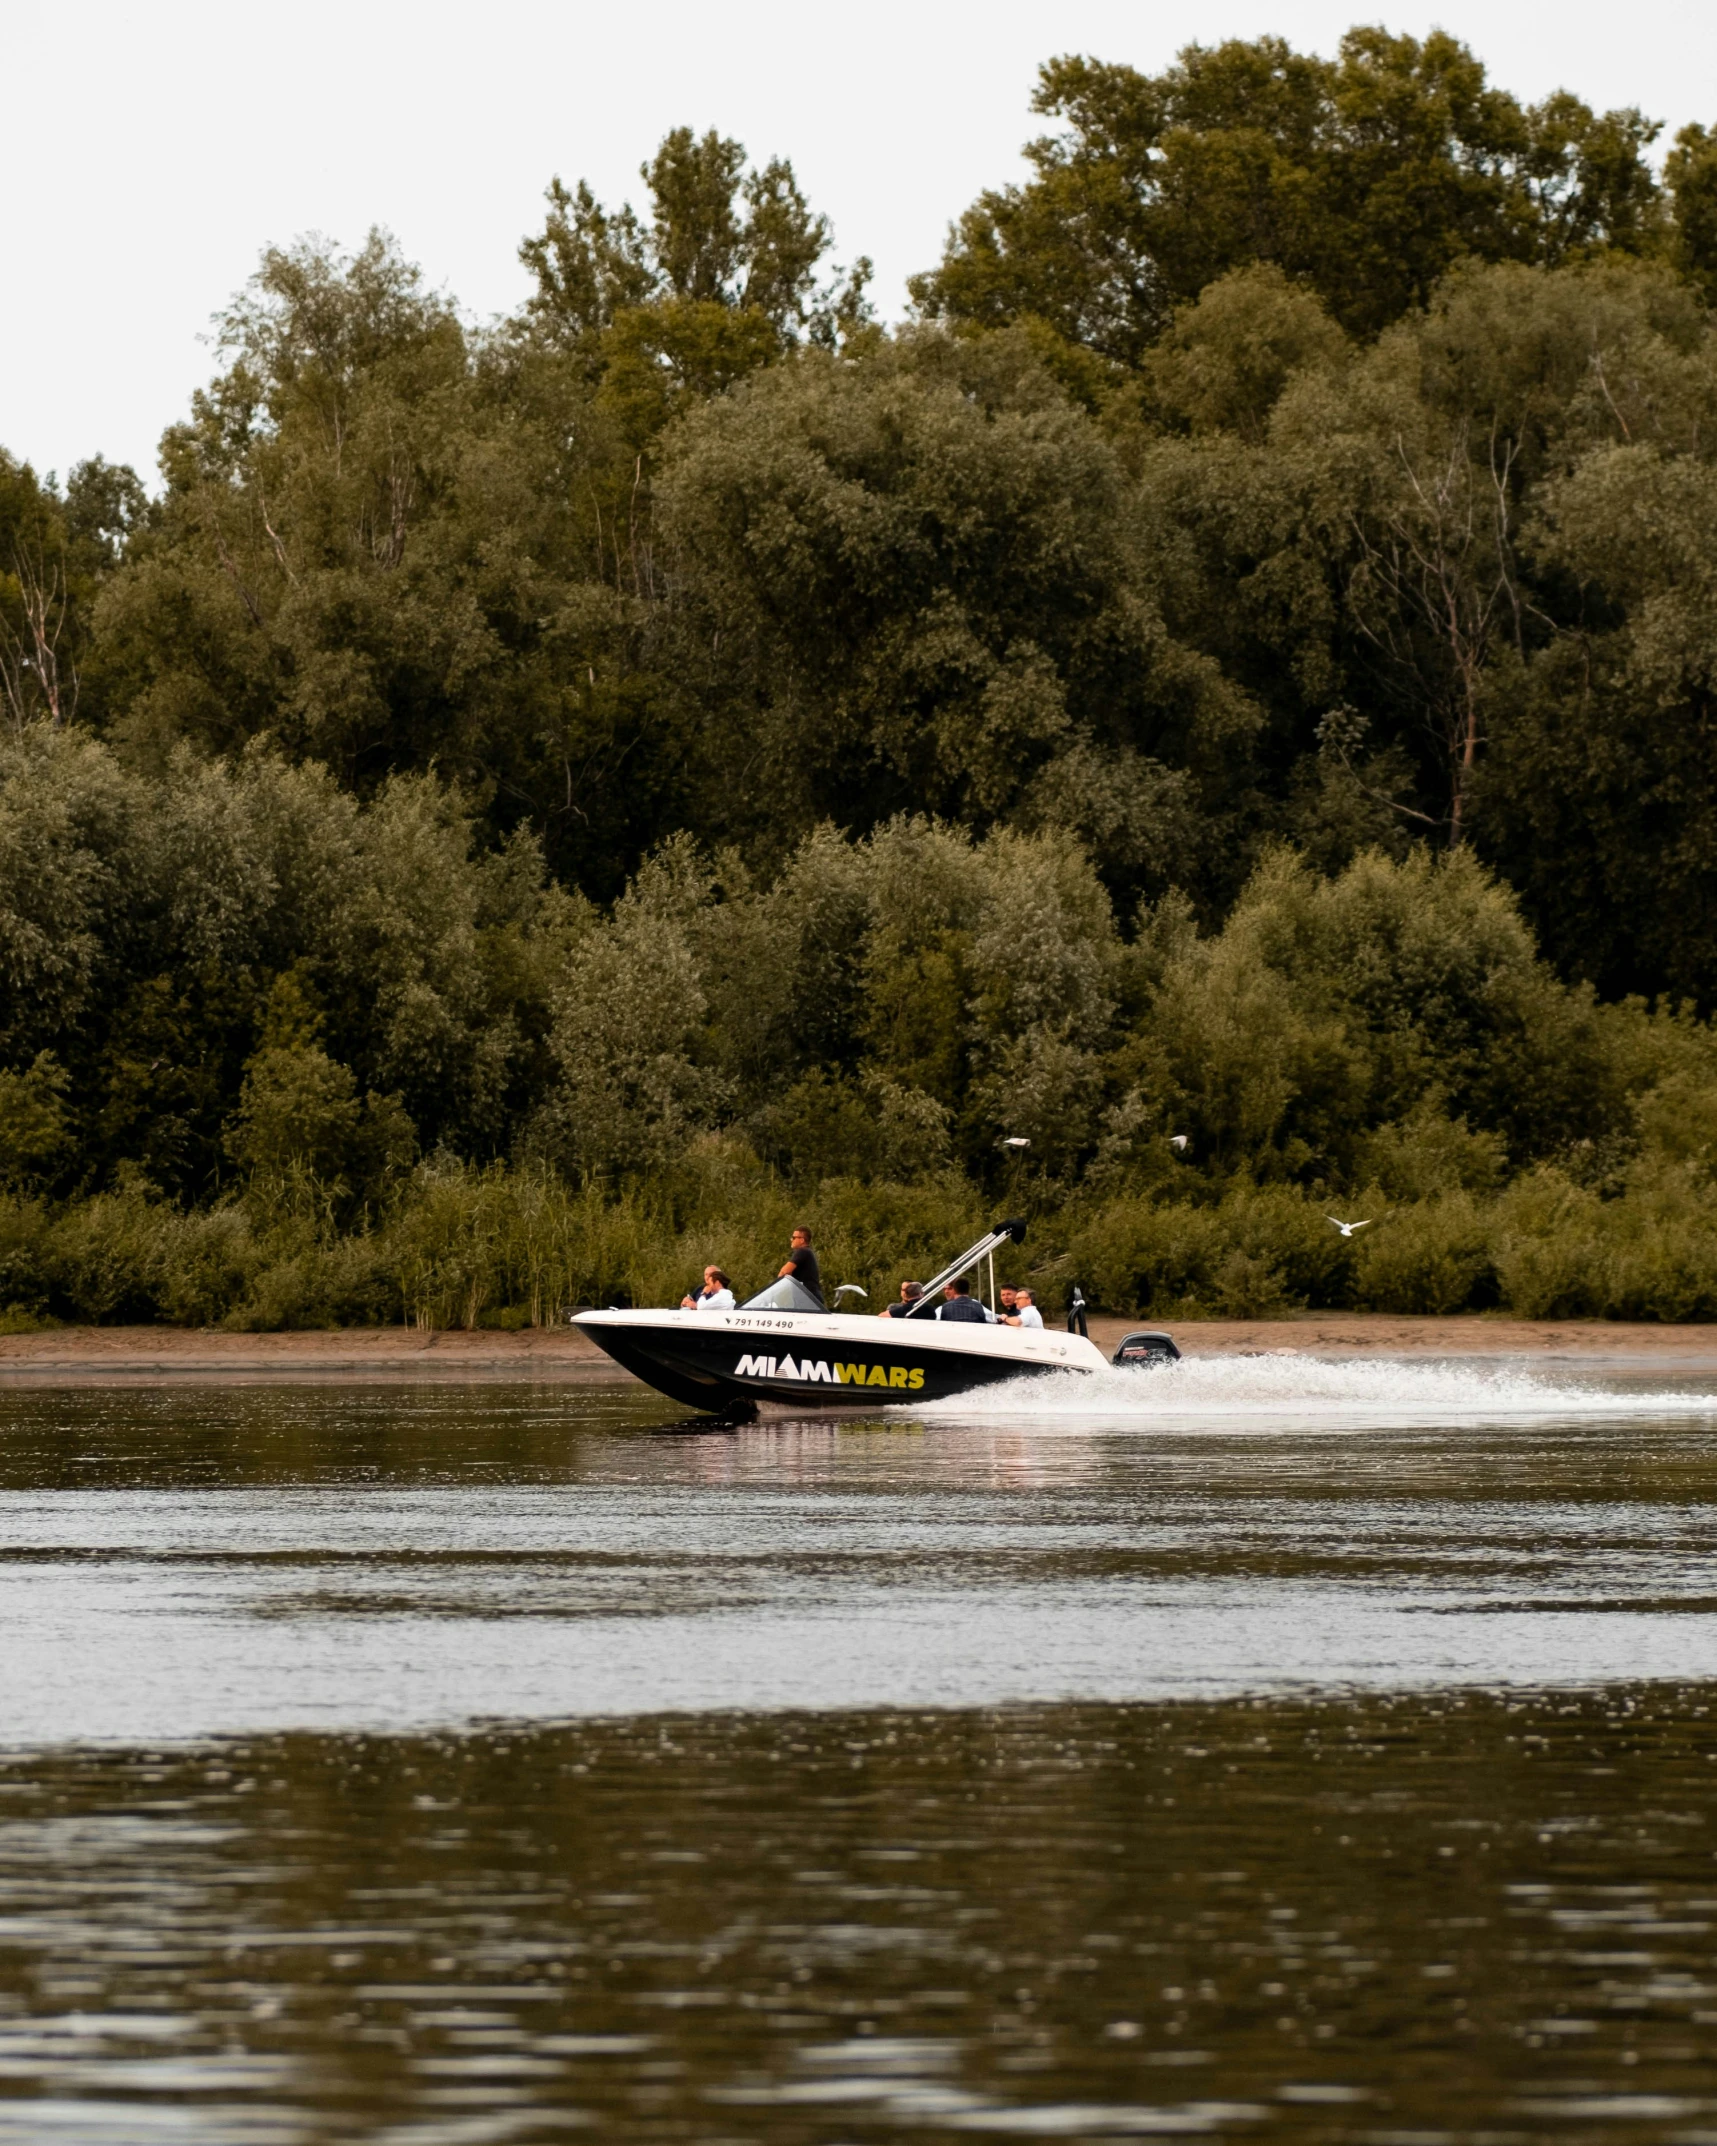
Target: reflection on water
x,y
1408,1918
426,1766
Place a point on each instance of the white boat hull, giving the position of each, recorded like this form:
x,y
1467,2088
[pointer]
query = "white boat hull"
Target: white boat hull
x,y
730,1362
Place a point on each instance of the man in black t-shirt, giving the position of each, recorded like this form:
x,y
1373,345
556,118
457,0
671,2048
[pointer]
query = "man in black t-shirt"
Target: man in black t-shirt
x,y
802,1266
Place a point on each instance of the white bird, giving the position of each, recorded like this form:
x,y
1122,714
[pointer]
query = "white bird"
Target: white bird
x,y
1347,1228
1179,1142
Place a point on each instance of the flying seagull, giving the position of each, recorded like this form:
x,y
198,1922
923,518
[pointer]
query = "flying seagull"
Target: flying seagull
x,y
1347,1228
1179,1142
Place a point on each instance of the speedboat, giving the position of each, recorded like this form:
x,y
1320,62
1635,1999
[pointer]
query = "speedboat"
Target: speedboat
x,y
786,1347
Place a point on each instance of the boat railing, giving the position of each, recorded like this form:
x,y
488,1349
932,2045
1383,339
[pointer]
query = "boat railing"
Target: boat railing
x,y
1003,1233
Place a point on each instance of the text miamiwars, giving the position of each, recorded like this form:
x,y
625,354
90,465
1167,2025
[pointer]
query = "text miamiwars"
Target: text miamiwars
x,y
767,1367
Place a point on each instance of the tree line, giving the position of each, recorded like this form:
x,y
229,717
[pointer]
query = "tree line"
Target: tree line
x,y
1233,665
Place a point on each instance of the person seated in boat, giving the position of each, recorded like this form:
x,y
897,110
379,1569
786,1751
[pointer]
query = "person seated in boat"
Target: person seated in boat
x,y
1025,1313
1005,1303
959,1304
910,1292
715,1295
801,1266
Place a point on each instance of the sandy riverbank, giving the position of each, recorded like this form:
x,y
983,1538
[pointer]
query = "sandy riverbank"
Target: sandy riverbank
x,y
75,1355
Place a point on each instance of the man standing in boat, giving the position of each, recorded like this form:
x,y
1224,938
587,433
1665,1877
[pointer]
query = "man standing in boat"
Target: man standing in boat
x,y
801,1266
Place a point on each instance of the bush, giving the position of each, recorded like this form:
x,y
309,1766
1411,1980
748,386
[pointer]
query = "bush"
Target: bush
x,y
1433,1257
468,1246
129,1256
1132,1256
1551,1250
204,1264
104,1258
304,1280
1662,1243
1281,1230
24,1282
1667,1272
1261,1252
463,1242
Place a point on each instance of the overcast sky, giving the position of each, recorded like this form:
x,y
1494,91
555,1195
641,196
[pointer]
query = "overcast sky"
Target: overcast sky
x,y
150,152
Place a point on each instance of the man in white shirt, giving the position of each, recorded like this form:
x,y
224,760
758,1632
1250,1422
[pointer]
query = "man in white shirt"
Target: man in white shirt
x,y
715,1295
1025,1312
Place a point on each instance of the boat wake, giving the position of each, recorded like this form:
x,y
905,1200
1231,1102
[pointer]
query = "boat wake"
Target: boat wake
x,y
1262,1392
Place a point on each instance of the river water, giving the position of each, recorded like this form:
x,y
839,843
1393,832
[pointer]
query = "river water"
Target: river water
x,y
1257,1750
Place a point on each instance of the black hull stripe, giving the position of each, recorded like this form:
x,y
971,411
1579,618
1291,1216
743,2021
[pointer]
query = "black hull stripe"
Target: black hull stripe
x,y
696,1377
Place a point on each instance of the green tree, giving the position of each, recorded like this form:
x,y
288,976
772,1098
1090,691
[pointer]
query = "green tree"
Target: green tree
x,y
719,279
1353,538
1325,1009
56,548
1368,175
1690,173
387,549
304,1137
146,923
33,1128
625,1036
1601,795
913,583
1225,359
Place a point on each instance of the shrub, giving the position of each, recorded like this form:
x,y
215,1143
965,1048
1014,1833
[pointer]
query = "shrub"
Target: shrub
x,y
879,1235
129,1256
1667,1271
1281,1230
1132,1256
1263,1251
1551,1250
1432,1257
24,1278
104,1258
305,1280
463,1242
204,1265
1426,1153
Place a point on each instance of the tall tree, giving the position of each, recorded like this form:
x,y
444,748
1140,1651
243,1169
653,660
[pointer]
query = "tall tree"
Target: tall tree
x,y
914,583
1369,175
1690,173
56,548
389,546
719,278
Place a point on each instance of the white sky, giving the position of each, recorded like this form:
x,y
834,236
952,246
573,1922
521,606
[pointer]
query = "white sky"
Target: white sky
x,y
150,152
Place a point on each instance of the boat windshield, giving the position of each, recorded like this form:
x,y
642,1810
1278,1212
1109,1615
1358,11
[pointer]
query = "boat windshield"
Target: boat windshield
x,y
784,1295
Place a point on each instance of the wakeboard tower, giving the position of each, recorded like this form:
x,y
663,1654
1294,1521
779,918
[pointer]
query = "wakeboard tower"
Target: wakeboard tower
x,y
784,1346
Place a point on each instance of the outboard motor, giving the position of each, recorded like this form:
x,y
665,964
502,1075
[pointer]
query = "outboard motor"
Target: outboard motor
x,y
1150,1345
